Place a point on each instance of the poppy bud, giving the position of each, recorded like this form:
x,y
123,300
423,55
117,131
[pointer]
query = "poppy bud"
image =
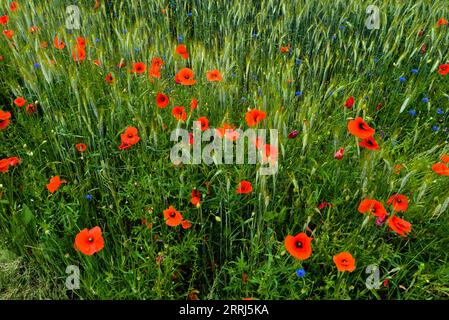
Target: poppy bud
x,y
339,154
349,103
293,134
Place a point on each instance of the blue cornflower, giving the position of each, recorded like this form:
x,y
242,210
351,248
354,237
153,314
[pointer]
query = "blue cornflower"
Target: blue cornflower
x,y
376,59
259,92
180,38
435,128
97,40
415,71
425,100
341,27
36,65
89,196
298,61
243,99
440,111
189,14
300,273
254,34
298,93
125,31
412,112
334,37
402,79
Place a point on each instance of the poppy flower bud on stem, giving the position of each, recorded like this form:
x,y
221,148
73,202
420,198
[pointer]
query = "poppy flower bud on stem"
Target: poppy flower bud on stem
x,y
339,154
293,134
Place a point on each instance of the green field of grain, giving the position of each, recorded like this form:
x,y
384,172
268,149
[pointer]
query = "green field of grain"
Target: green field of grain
x,y
93,206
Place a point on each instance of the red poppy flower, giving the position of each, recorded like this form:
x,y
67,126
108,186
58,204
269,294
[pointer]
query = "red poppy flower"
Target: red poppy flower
x,y
185,77
244,187
204,123
20,102
254,116
186,224
13,6
285,49
172,217
369,143
299,246
157,62
80,147
30,109
139,67
182,50
121,64
55,183
33,29
443,69
162,100
13,161
227,130
214,76
7,162
325,204
195,198
129,138
258,143
8,33
78,54
349,103
90,241
360,129
4,20
442,22
97,63
4,119
179,113
339,154
4,165
399,225
372,206
269,154
58,44
193,104
399,201
80,42
440,168
109,78
344,262
155,73
445,158
190,138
